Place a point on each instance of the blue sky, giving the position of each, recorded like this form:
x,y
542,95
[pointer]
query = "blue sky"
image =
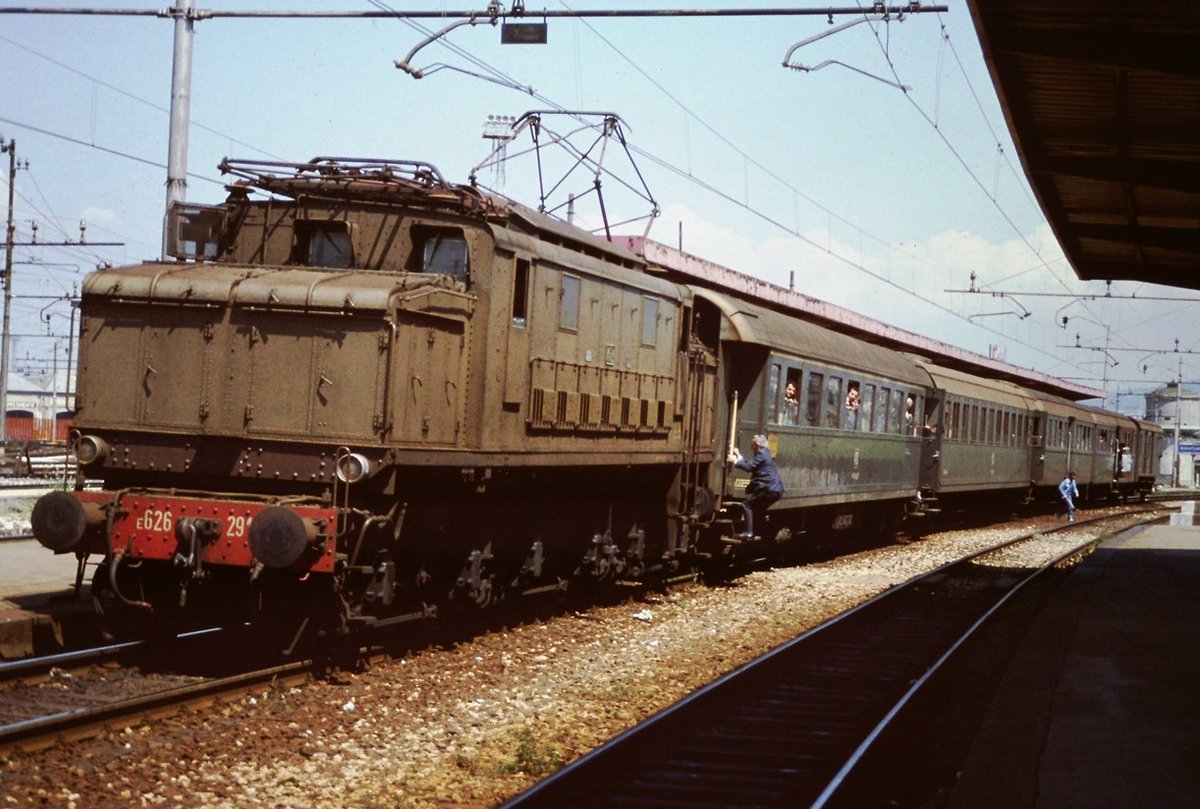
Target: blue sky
x,y
877,199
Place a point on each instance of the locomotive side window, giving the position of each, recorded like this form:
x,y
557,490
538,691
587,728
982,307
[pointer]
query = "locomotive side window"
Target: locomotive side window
x,y
812,403
649,321
323,244
520,301
442,251
568,303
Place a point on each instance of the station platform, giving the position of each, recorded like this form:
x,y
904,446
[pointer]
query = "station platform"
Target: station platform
x,y
39,611
1100,707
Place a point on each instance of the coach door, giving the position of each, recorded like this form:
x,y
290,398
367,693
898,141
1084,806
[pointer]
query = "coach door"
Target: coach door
x,y
1037,448
931,444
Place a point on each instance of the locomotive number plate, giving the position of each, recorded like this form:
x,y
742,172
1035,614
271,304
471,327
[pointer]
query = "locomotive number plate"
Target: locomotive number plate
x,y
145,526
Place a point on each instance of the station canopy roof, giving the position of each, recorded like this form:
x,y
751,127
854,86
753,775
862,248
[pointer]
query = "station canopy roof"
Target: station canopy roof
x,y
1103,102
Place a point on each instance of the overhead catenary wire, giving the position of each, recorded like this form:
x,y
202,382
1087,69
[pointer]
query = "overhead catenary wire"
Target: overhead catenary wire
x,y
504,78
688,174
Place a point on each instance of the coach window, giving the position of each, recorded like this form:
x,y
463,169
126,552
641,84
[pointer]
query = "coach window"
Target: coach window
x,y
773,393
649,321
896,412
442,251
812,399
852,405
868,406
833,402
568,303
789,406
881,410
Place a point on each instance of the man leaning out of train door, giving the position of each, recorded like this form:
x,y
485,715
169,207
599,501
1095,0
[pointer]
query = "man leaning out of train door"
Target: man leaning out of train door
x,y
764,487
1069,491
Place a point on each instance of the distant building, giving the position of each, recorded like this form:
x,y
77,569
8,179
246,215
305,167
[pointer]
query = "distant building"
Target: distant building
x,y
39,407
1168,406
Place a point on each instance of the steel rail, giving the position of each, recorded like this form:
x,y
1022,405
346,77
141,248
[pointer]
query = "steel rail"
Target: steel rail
x,y
722,745
73,724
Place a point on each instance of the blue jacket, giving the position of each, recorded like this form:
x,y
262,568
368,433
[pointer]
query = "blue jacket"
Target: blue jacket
x,y
764,476
1068,488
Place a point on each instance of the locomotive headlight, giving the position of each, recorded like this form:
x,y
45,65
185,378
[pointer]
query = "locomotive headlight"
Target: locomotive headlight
x,y
90,449
352,467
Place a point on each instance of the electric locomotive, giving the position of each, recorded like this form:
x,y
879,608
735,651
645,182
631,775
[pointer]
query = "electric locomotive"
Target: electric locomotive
x,y
370,392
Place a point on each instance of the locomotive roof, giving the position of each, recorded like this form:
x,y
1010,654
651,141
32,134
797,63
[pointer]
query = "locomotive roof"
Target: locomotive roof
x,y
411,183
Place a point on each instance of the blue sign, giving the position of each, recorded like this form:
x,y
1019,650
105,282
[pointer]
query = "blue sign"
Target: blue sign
x,y
1189,449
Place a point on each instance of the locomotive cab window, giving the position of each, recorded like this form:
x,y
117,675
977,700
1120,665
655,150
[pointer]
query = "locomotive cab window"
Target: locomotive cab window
x,y
323,244
440,251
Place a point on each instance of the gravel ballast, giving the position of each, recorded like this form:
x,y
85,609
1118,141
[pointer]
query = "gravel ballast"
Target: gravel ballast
x,y
470,725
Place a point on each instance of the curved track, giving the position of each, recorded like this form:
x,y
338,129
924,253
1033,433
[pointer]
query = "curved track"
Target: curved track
x,y
787,729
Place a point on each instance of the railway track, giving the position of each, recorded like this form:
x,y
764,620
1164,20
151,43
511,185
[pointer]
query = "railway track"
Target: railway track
x,y
78,695
792,727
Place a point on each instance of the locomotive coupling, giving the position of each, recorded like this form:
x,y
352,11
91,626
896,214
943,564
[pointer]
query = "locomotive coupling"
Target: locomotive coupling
x,y
60,519
280,536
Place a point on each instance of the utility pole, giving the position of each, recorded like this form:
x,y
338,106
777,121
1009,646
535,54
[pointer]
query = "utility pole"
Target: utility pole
x,y
1178,414
181,105
5,349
